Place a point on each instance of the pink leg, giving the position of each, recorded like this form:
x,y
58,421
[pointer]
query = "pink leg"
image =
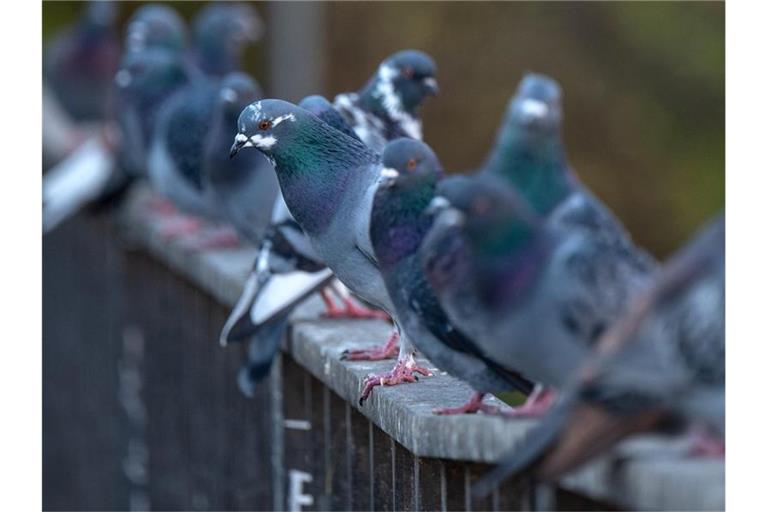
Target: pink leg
x,y
537,404
405,370
351,310
386,351
473,405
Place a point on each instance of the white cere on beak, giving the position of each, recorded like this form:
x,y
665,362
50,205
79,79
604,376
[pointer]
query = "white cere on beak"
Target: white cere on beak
x,y
241,137
534,109
228,94
123,78
430,82
389,173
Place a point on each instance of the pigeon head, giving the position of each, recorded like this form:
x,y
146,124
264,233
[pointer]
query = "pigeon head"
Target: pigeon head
x,y
155,26
410,172
408,161
536,107
236,91
485,233
222,30
323,109
284,131
151,72
402,82
529,151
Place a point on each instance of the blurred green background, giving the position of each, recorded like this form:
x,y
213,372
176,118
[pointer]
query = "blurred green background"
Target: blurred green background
x,y
644,87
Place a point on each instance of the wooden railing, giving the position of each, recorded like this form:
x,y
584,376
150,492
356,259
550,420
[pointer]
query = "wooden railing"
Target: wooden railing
x,y
142,409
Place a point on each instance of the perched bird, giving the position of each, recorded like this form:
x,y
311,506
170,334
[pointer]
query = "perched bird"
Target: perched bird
x,y
664,359
240,191
146,80
399,223
533,297
286,271
328,180
529,156
79,64
386,108
221,32
102,168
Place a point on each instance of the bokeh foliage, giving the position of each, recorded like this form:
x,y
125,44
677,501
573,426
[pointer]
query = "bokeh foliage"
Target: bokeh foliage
x,y
644,89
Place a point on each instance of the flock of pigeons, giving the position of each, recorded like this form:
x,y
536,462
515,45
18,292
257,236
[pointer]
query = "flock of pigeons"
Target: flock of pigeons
x,y
510,277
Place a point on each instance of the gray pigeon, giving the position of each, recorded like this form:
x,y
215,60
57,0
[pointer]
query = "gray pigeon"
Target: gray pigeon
x,y
145,81
399,223
386,108
328,181
287,270
665,359
534,297
241,191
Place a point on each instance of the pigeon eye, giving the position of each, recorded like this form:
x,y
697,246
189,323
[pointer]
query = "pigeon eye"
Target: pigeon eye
x,y
408,72
411,164
264,124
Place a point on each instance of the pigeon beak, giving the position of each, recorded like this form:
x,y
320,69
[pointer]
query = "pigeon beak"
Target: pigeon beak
x,y
240,141
431,85
389,176
438,204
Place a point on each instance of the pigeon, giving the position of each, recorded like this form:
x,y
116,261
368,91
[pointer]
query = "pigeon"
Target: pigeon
x,y
286,250
221,32
533,296
399,223
155,26
529,157
241,191
328,180
386,108
146,79
286,271
79,64
664,359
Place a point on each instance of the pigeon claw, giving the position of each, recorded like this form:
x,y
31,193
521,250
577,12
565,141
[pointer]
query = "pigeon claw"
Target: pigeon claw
x,y
405,370
386,351
473,405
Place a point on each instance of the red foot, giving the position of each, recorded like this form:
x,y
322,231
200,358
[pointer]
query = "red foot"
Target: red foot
x,y
474,404
386,351
183,226
404,371
218,238
350,309
537,404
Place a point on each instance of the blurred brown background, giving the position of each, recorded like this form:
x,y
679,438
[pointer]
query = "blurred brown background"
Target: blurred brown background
x,y
644,85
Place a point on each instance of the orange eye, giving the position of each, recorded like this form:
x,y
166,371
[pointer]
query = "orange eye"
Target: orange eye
x,y
411,165
408,72
264,125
